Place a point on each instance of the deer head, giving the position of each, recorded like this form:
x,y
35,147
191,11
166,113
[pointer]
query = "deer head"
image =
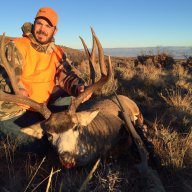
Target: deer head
x,y
62,129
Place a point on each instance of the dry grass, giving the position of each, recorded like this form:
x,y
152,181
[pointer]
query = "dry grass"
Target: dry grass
x,y
177,99
164,95
149,72
175,146
180,71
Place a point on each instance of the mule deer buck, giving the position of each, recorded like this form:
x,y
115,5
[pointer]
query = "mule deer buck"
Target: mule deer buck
x,y
78,136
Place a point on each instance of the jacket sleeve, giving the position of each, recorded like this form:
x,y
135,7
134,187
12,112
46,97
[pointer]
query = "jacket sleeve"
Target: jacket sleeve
x,y
15,62
68,78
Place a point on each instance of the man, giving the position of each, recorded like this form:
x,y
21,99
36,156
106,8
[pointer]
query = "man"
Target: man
x,y
41,66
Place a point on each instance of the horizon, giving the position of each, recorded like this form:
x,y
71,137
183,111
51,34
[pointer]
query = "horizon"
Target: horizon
x,y
147,47
177,52
121,24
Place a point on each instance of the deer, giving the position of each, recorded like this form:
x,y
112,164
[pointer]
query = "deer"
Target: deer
x,y
85,131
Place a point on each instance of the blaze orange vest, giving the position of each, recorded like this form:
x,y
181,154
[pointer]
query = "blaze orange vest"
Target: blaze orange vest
x,y
39,69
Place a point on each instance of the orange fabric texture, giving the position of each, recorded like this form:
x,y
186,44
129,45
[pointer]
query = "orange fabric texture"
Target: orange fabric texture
x,y
48,13
38,75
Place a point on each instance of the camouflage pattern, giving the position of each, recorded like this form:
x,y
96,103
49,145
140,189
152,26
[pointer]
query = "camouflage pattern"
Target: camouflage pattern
x,y
9,110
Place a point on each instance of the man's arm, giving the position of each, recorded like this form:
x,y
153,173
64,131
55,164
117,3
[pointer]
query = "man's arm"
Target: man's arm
x,y
68,79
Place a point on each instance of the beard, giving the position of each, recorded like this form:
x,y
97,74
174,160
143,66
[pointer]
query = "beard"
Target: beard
x,y
40,32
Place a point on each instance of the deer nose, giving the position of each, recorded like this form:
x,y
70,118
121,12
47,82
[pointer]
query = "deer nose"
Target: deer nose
x,y
67,160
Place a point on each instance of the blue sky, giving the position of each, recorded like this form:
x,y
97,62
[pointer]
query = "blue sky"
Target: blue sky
x,y
117,23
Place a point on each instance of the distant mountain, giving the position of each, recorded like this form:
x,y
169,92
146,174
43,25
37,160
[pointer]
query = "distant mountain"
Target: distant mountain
x,y
175,52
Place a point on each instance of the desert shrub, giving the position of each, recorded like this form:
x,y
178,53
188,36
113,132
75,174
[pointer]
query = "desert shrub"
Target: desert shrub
x,y
180,71
149,74
176,98
173,147
182,76
160,60
184,84
188,60
179,110
125,73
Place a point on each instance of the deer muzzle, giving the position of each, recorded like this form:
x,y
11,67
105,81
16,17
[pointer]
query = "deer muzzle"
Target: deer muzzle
x,y
67,160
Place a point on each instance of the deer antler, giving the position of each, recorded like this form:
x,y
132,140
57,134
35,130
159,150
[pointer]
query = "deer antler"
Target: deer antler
x,y
7,67
42,108
91,57
105,76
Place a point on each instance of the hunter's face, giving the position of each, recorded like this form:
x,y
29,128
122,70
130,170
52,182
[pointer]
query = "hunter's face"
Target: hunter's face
x,y
43,31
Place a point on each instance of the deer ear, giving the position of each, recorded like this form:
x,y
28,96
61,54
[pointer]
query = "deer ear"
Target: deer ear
x,y
34,131
85,117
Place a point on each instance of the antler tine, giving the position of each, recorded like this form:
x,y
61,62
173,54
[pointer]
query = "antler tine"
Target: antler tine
x,y
85,48
6,66
93,53
40,107
91,58
101,55
104,79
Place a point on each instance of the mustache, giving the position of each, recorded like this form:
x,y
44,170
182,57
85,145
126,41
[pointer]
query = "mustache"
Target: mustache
x,y
40,32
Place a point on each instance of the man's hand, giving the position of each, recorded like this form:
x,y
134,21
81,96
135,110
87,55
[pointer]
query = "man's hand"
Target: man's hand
x,y
23,92
82,89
